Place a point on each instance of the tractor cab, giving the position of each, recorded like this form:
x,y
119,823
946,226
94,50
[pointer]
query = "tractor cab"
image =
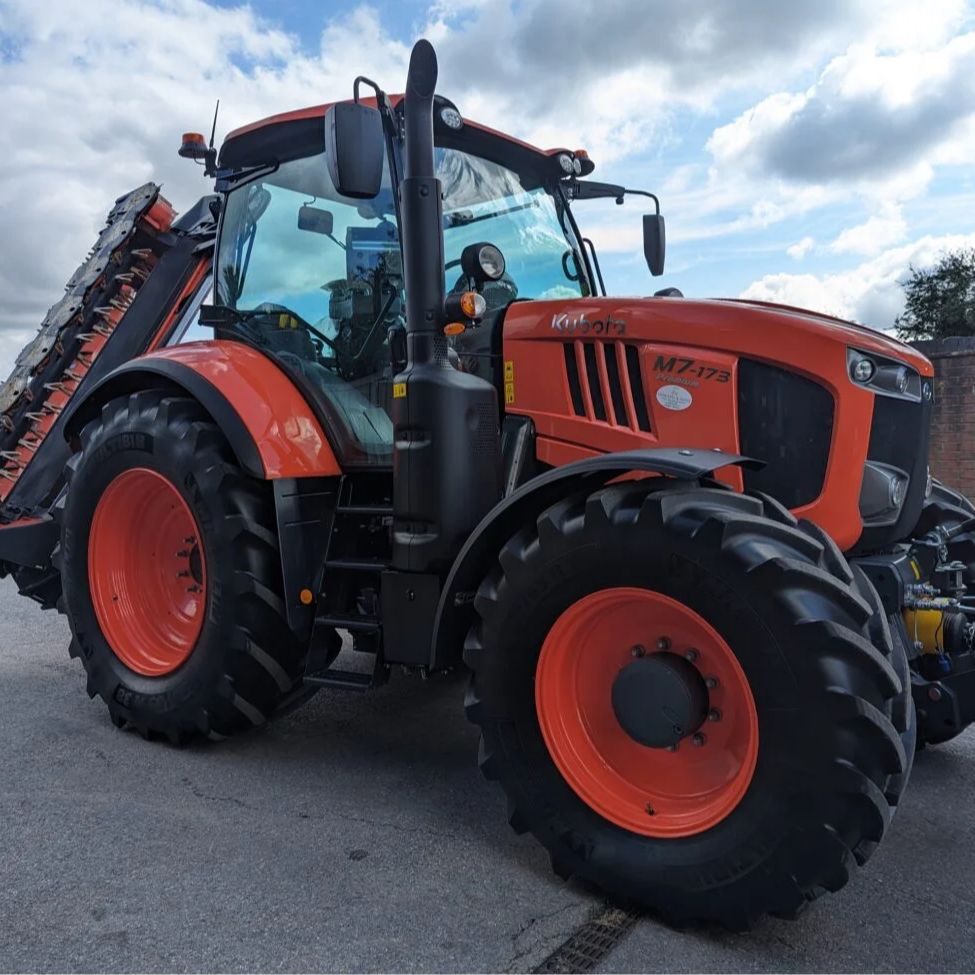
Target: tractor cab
x,y
315,277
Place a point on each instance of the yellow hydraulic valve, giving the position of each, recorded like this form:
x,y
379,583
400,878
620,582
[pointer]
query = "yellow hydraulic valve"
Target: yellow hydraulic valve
x,y
931,624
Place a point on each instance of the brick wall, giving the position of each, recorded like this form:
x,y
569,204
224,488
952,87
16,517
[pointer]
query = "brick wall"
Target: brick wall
x,y
953,427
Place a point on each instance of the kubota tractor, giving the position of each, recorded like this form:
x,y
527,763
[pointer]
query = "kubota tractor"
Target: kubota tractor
x,y
689,550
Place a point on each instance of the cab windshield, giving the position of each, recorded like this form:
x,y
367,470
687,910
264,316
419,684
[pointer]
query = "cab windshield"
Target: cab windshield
x,y
317,278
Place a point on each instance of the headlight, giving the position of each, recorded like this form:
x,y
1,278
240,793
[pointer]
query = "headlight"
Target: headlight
x,y
862,370
884,376
491,261
882,493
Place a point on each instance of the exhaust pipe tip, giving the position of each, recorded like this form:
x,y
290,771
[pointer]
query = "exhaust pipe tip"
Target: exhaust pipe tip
x,y
422,77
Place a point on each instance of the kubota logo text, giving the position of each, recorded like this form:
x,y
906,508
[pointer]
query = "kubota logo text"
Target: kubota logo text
x,y
583,326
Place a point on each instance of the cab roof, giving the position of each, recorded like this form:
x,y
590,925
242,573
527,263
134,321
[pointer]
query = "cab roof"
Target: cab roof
x,y
292,135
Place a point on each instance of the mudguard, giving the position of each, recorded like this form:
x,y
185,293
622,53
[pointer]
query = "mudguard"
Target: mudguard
x,y
271,429
455,609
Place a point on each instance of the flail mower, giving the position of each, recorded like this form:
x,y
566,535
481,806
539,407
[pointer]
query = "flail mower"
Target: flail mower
x,y
690,551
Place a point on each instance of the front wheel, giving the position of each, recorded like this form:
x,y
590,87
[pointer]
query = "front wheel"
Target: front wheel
x,y
688,701
172,575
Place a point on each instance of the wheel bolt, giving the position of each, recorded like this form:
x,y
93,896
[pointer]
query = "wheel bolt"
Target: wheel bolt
x,y
638,650
189,540
663,643
699,739
183,574
714,714
650,810
194,589
183,553
691,655
672,748
711,683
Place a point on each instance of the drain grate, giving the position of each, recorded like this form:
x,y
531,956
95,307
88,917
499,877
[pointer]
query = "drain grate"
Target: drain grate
x,y
586,947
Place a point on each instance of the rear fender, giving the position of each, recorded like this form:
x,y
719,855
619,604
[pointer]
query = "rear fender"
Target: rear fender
x,y
271,428
521,507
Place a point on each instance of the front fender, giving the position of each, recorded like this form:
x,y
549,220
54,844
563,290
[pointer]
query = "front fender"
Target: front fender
x,y
455,611
267,421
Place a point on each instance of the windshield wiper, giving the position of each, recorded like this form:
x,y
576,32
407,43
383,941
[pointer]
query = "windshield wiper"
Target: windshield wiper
x,y
463,218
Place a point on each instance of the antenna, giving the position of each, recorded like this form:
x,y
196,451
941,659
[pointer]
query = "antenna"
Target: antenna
x,y
213,131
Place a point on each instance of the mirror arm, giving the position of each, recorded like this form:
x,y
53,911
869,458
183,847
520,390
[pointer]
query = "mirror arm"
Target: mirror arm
x,y
644,193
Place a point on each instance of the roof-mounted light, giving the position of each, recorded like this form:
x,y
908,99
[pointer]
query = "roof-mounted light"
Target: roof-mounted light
x,y
451,118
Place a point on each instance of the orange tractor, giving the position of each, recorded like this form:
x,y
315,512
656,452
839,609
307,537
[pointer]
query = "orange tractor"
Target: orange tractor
x,y
689,550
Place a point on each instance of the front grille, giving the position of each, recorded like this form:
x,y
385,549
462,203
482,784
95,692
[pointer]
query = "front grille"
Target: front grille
x,y
591,367
787,421
899,436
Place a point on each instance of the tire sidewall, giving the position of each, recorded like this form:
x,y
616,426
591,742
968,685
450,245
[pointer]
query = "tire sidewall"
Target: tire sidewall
x,y
109,454
747,616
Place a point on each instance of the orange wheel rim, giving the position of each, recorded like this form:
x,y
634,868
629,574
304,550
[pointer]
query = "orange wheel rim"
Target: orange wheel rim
x,y
648,790
146,572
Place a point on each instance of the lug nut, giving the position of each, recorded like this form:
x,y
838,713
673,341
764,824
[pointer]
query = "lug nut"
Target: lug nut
x,y
189,540
699,739
714,714
663,643
711,683
184,574
672,748
691,655
638,651
183,553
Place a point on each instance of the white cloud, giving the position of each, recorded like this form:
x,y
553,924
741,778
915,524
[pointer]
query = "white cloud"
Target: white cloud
x,y
872,115
876,234
870,293
799,250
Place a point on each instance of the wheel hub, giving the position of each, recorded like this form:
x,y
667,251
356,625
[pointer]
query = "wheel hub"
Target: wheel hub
x,y
612,714
660,699
147,572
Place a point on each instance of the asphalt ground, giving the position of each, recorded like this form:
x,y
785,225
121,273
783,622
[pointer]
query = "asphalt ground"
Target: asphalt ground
x,y
358,835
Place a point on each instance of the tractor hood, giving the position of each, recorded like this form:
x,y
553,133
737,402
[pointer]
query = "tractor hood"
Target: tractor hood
x,y
795,338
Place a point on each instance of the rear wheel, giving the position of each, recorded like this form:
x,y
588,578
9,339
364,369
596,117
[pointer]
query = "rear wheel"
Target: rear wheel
x,y
679,693
171,573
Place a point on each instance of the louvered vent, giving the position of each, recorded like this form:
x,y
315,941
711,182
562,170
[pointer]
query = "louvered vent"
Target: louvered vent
x,y
606,384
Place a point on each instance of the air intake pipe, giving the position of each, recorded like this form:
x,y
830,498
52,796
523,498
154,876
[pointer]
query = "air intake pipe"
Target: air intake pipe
x,y
447,455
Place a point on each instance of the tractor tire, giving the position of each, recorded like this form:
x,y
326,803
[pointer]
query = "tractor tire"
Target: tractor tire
x,y
949,508
172,574
637,595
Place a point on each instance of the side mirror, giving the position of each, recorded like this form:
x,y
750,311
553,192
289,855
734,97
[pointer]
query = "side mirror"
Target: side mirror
x,y
354,149
315,220
654,242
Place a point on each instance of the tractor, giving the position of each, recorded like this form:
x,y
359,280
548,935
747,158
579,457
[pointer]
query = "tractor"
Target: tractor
x,y
371,393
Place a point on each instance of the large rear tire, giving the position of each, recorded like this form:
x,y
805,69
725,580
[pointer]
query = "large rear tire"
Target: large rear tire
x,y
172,575
807,758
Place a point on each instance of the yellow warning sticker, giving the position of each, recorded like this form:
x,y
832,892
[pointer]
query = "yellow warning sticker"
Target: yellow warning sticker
x,y
399,390
509,393
509,371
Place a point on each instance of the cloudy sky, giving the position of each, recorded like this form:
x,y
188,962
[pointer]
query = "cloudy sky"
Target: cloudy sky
x,y
805,151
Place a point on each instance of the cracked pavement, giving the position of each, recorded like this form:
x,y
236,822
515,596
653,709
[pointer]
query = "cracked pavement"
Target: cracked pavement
x,y
358,835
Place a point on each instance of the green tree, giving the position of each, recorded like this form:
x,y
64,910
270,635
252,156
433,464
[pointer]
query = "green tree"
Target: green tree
x,y
940,299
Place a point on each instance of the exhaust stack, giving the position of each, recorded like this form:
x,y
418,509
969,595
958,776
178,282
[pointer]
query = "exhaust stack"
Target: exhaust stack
x,y
447,457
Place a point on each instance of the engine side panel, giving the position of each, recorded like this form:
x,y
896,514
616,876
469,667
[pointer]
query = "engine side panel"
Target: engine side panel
x,y
684,360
